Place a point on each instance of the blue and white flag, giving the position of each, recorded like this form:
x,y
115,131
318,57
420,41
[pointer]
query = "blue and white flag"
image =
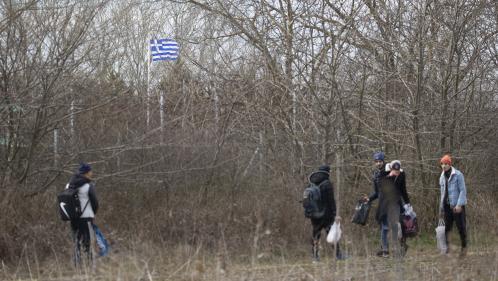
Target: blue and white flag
x,y
164,49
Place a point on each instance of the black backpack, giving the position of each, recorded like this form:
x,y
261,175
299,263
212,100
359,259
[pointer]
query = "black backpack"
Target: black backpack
x,y
312,202
69,204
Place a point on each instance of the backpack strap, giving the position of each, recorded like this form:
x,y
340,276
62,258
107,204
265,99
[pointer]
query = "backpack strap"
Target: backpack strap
x,y
82,211
84,208
320,185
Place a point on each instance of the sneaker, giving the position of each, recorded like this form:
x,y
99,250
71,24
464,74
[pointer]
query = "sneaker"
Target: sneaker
x,y
383,254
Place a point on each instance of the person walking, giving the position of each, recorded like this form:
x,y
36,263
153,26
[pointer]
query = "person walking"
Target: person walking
x,y
321,178
81,227
379,173
453,201
393,201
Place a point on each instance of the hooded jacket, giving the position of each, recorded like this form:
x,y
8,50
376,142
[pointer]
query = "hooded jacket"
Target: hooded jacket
x,y
321,178
86,194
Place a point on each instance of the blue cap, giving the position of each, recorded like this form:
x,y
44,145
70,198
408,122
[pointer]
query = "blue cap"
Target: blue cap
x,y
379,156
84,168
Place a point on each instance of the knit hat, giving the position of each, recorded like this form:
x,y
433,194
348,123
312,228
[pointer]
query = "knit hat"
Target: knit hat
x,y
379,156
324,168
446,160
84,168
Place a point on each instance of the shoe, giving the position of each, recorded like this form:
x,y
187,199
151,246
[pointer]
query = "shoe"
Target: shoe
x,y
383,254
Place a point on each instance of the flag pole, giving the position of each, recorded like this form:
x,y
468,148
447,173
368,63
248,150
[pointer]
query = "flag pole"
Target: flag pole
x,y
148,84
161,114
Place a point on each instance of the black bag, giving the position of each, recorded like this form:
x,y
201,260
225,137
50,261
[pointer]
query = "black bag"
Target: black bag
x,y
361,213
69,204
312,203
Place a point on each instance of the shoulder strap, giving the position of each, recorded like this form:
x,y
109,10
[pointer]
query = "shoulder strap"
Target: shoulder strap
x,y
82,211
319,185
84,208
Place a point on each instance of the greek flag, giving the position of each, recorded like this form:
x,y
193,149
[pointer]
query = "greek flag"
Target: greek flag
x,y
164,49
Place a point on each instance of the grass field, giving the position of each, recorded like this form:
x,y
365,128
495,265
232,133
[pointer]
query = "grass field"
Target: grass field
x,y
187,263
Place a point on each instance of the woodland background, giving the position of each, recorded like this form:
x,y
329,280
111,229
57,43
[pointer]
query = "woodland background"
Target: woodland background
x,y
262,94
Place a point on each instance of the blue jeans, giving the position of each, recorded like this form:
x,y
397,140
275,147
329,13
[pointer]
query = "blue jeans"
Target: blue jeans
x,y
384,230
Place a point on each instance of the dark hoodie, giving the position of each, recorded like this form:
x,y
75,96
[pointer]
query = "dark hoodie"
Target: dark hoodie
x,y
321,179
376,179
78,180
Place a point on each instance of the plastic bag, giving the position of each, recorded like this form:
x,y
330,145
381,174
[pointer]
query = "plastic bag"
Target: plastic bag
x,y
335,233
441,237
361,213
409,211
400,231
101,242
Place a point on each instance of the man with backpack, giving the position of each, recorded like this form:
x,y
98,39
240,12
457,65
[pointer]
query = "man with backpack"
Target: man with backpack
x,y
320,208
453,201
81,225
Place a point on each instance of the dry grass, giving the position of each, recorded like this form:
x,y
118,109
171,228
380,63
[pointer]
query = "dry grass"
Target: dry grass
x,y
168,235
146,262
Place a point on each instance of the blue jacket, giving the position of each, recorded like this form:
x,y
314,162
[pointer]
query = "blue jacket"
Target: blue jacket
x,y
457,192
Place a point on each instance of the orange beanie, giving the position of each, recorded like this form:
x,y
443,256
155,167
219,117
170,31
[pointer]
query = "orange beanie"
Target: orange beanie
x,y
446,160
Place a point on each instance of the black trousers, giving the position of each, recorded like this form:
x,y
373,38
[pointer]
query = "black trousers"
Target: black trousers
x,y
459,219
318,226
82,236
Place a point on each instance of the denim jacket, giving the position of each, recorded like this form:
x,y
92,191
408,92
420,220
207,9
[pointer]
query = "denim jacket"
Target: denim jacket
x,y
457,192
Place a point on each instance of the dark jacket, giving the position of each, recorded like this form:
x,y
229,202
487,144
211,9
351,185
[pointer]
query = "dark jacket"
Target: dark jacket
x,y
77,181
392,191
321,179
376,178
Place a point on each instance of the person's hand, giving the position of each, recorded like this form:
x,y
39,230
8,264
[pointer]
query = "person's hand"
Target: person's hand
x,y
338,219
457,209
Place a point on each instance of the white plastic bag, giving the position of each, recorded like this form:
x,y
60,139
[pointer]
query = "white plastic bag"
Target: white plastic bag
x,y
400,232
409,211
441,237
335,233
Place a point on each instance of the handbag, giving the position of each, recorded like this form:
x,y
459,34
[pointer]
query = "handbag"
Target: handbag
x,y
361,211
441,237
